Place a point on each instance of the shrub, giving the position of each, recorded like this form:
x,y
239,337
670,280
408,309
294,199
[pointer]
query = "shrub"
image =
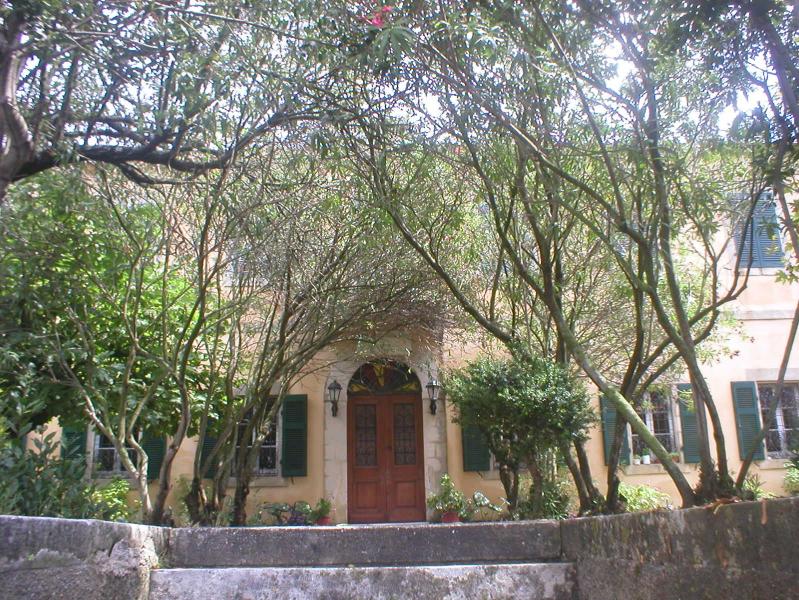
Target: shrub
x,y
111,501
639,498
791,481
557,500
321,510
42,483
753,488
451,499
526,408
282,513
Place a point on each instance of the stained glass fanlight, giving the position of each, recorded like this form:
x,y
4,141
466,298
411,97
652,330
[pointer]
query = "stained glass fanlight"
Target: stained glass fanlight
x,y
383,377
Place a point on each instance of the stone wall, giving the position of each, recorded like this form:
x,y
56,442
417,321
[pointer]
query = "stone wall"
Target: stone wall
x,y
75,559
747,550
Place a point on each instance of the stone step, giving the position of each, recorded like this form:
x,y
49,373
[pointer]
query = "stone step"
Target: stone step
x,y
366,545
543,581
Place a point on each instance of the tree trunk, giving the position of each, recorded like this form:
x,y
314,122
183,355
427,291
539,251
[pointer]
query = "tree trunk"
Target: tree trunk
x,y
597,500
586,503
510,482
536,489
17,145
612,497
239,517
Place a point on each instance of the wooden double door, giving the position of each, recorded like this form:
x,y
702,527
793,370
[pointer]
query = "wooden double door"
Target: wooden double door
x,y
385,459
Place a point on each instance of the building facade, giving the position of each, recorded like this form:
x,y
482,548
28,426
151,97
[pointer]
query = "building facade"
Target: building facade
x,y
383,447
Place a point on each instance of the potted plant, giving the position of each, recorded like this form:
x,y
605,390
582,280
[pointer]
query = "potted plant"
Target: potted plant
x,y
449,502
636,459
645,459
674,456
320,515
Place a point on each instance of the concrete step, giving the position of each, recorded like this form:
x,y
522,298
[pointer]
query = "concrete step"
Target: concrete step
x,y
366,545
543,581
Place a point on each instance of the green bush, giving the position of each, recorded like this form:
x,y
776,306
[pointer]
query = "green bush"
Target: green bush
x,y
791,481
557,502
753,488
110,502
451,499
639,498
42,483
527,408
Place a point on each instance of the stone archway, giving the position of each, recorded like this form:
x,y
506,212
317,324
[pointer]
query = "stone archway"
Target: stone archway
x,y
434,440
385,452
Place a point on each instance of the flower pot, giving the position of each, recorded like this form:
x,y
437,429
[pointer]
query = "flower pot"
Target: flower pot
x,y
636,461
326,520
645,459
451,516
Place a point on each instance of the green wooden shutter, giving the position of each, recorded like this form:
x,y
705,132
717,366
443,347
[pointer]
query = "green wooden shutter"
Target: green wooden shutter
x,y
73,442
761,240
747,417
294,455
608,430
690,433
767,237
208,445
155,448
476,455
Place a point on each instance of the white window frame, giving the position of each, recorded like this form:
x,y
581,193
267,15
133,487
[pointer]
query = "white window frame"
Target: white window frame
x,y
118,470
779,419
258,471
648,418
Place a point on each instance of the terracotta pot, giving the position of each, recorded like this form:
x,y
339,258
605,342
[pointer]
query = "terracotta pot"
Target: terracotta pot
x,y
326,520
451,516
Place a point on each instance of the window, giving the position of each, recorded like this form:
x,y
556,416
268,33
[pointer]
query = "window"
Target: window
x,y
759,245
783,434
655,411
267,462
106,457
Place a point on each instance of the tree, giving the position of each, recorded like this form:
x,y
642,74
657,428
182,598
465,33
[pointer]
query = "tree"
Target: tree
x,y
311,269
527,409
632,165
133,84
736,40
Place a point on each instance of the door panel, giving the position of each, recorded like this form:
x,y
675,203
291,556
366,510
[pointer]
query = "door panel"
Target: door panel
x,y
385,457
367,494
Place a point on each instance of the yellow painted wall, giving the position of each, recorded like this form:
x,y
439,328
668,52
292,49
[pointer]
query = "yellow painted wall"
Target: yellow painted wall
x,y
754,350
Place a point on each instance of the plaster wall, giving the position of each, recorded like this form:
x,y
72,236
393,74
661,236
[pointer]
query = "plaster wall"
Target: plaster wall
x,y
750,351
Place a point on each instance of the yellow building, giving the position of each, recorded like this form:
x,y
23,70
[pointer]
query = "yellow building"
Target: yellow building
x,y
382,448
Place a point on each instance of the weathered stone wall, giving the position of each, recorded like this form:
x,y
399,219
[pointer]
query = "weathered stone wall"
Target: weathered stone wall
x,y
66,559
748,550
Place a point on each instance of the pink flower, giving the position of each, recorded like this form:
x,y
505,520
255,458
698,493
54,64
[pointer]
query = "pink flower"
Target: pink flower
x,y
378,18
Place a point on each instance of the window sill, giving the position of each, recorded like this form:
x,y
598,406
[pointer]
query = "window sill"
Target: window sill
x,y
655,469
772,464
264,481
760,271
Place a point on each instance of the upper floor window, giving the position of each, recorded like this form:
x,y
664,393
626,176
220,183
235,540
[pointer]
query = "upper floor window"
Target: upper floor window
x,y
783,434
758,243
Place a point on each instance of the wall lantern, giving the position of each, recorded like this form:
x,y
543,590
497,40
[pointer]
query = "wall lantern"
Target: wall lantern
x,y
333,393
433,388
